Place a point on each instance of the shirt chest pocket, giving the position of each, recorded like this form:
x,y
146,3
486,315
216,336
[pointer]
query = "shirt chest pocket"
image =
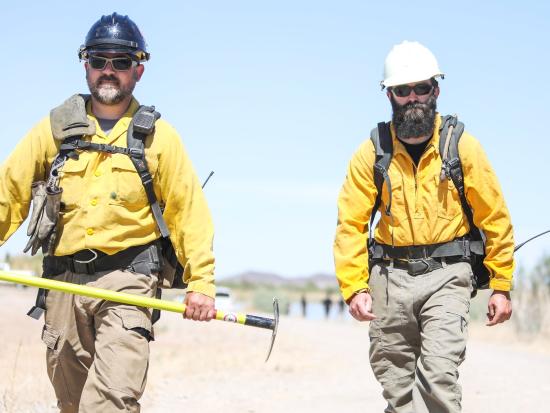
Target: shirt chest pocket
x,y
126,186
448,199
398,208
73,181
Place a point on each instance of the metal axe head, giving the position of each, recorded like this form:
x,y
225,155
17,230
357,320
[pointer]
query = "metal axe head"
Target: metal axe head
x,y
274,326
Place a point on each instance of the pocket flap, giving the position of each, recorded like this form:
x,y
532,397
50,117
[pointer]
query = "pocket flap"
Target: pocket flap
x,y
50,337
120,161
134,319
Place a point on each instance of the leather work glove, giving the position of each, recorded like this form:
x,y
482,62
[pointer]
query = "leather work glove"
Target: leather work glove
x,y
47,228
38,204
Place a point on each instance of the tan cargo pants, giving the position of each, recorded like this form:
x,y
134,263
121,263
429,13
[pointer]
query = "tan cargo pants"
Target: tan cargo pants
x,y
98,351
419,338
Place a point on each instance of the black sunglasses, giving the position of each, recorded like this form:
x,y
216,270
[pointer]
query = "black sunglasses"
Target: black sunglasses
x,y
404,90
120,64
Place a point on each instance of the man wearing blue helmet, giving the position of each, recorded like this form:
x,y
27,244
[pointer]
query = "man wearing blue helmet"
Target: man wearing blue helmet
x,y
116,205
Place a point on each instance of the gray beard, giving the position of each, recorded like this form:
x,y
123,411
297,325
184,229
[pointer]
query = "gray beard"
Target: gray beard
x,y
414,119
109,94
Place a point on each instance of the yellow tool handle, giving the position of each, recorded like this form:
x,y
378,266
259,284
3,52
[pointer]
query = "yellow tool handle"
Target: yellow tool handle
x,y
94,292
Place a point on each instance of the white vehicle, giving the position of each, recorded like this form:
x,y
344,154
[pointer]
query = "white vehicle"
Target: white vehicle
x,y
224,301
5,267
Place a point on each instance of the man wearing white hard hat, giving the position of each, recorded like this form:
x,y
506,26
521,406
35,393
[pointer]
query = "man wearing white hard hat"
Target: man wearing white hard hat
x,y
444,232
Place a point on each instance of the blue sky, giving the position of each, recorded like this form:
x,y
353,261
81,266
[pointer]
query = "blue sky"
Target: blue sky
x,y
276,96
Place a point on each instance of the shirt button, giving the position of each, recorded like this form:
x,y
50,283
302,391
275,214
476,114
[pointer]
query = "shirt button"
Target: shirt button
x,y
93,202
90,231
97,173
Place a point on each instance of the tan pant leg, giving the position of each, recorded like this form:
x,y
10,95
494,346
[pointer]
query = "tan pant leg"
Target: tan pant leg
x,y
97,354
444,318
117,376
394,336
69,337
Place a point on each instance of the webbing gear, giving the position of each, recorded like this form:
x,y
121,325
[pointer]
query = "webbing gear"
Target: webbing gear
x,y
383,146
73,112
143,124
451,129
459,247
449,135
144,259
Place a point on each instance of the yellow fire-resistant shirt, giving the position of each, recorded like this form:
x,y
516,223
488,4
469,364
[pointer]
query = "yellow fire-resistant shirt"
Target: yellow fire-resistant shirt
x,y
425,210
105,204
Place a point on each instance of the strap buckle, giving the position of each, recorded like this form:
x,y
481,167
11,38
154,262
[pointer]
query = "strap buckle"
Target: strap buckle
x,y
94,257
417,252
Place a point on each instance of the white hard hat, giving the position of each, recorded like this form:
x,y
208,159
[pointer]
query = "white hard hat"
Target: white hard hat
x,y
409,62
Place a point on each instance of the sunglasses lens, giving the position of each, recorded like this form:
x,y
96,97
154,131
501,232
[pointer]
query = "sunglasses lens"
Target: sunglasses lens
x,y
402,91
121,63
419,90
97,62
422,89
117,63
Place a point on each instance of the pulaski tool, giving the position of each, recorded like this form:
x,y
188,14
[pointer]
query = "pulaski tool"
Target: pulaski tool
x,y
140,301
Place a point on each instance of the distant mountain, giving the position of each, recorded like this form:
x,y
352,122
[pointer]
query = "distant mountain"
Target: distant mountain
x,y
321,281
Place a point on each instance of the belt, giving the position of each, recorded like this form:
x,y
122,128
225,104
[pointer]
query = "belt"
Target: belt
x,y
91,261
460,247
424,265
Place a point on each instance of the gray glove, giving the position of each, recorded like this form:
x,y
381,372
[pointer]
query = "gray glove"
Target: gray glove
x,y
45,214
47,230
38,204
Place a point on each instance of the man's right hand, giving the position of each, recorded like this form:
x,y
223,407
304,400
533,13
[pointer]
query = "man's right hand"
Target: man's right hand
x,y
360,307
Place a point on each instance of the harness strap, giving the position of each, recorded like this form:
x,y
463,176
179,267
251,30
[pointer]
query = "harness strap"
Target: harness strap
x,y
383,146
143,124
452,167
99,147
460,247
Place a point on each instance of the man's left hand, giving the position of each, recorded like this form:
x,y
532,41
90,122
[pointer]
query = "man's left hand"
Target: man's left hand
x,y
199,307
500,307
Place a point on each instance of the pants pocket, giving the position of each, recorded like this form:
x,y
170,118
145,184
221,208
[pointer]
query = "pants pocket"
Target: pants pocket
x,y
54,361
124,357
454,329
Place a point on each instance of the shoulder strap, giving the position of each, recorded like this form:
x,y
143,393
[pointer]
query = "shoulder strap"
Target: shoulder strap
x,y
449,135
143,124
70,119
383,147
69,122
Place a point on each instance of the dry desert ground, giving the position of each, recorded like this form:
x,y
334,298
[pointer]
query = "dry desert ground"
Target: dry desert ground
x,y
316,366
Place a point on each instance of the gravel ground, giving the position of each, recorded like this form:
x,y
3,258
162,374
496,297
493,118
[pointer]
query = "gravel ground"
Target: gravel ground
x,y
316,366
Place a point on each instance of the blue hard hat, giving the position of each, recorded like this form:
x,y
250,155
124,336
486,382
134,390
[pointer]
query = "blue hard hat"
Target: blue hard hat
x,y
116,34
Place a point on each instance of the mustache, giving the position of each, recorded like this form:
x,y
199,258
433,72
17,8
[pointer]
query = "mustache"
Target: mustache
x,y
108,78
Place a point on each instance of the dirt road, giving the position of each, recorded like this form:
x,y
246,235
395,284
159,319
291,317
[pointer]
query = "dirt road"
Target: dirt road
x,y
316,366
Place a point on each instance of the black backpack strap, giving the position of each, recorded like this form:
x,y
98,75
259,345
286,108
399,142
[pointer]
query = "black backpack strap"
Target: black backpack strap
x,y
383,147
143,124
450,132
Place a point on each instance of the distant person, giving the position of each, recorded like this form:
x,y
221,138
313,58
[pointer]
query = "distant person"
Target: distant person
x,y
303,303
341,306
327,304
99,223
414,281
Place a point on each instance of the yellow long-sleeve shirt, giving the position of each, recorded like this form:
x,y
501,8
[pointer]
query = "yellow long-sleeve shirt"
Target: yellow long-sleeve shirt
x,y
105,206
424,209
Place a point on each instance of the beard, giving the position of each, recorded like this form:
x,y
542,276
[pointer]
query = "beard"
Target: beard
x,y
110,93
414,119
